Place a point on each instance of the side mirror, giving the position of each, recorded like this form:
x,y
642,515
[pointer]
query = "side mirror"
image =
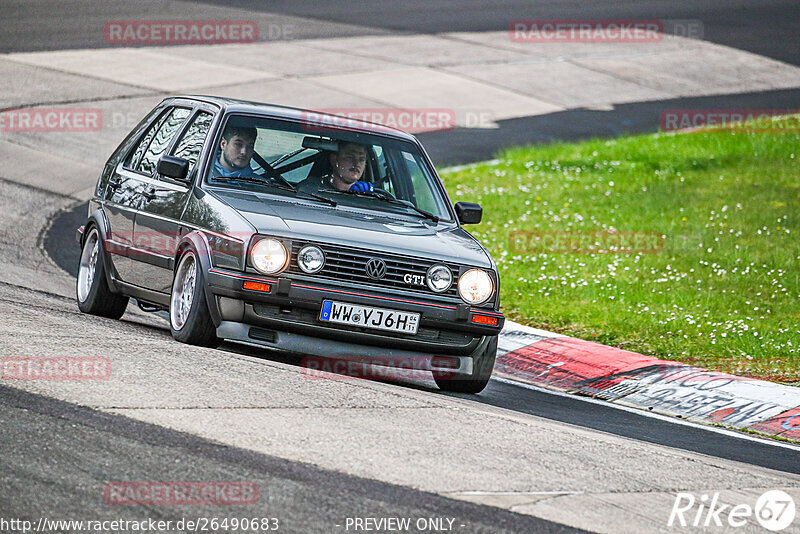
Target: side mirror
x,y
469,213
173,167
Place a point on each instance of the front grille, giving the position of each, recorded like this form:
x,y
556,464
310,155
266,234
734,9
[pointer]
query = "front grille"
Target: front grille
x,y
350,264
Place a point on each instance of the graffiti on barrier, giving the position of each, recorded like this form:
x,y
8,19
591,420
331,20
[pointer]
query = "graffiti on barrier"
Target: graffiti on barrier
x,y
686,391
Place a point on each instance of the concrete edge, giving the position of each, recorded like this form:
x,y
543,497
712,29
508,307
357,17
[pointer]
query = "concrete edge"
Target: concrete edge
x,y
580,367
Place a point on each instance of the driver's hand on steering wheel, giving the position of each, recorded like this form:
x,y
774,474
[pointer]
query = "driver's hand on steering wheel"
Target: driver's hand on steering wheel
x,y
362,186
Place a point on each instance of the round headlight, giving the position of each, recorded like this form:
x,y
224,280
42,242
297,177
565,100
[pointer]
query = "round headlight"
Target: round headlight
x,y
475,286
310,259
269,256
439,278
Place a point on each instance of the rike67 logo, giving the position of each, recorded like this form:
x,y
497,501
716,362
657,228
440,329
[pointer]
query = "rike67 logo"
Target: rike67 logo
x,y
774,510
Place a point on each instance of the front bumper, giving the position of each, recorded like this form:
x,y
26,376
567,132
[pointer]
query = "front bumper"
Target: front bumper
x,y
292,307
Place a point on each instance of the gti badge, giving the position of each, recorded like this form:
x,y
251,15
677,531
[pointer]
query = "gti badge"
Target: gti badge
x,y
414,279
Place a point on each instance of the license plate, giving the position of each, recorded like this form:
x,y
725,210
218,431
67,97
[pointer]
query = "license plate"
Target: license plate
x,y
368,317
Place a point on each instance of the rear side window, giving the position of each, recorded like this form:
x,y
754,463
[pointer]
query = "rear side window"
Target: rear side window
x,y
135,157
155,141
191,144
161,141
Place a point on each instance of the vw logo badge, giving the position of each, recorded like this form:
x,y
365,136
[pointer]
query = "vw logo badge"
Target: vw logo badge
x,y
376,268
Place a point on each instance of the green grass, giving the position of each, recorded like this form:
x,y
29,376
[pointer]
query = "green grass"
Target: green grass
x,y
724,290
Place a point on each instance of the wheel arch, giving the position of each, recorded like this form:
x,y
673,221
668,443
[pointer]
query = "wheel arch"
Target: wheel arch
x,y
97,219
198,242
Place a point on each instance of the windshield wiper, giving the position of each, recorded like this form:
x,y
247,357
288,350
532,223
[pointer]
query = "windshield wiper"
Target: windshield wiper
x,y
390,200
286,187
407,204
248,179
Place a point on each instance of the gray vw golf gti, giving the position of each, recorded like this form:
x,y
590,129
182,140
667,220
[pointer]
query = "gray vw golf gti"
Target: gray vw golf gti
x,y
296,230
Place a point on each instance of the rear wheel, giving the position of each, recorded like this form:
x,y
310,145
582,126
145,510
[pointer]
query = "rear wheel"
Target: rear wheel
x,y
189,318
92,291
482,366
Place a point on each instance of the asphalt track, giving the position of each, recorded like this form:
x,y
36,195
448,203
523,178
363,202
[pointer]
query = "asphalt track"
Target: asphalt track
x,y
747,25
57,455
752,25
59,242
755,26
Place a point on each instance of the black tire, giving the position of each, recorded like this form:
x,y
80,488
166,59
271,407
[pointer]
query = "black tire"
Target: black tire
x,y
483,365
189,319
92,292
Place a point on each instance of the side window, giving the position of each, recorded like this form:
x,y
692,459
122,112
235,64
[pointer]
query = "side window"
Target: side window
x,y
426,199
135,157
155,142
191,144
160,143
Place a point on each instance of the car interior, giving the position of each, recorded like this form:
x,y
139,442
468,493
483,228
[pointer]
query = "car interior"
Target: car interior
x,y
289,156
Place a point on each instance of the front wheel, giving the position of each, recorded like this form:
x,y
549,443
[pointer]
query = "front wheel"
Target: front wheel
x,y
482,366
91,288
189,319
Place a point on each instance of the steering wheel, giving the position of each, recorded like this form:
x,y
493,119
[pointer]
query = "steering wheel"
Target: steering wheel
x,y
383,193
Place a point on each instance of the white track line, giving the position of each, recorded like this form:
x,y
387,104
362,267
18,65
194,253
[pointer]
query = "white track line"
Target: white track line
x,y
645,413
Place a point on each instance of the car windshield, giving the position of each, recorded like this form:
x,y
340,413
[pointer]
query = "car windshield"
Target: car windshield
x,y
348,168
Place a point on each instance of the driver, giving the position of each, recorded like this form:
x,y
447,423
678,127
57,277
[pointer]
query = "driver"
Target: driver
x,y
347,168
235,152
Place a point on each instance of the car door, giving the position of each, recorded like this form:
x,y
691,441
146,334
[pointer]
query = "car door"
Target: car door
x,y
122,200
157,229
138,171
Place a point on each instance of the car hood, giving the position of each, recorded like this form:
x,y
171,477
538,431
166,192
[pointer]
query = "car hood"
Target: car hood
x,y
364,229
